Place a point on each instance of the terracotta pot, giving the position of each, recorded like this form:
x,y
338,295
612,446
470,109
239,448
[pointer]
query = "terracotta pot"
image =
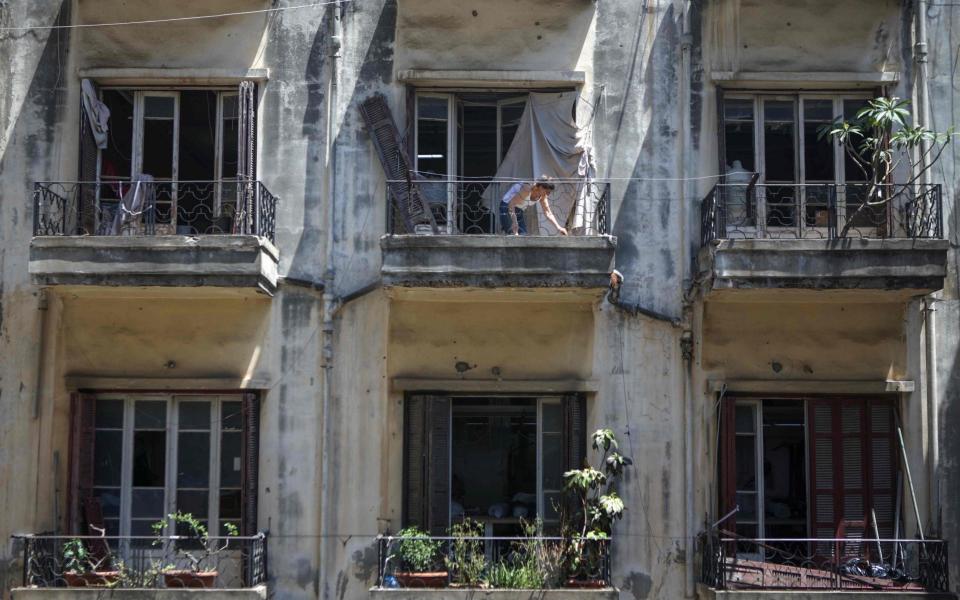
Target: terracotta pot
x,y
190,579
585,584
437,579
91,578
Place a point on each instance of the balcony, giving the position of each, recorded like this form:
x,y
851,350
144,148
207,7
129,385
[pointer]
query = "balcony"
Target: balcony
x,y
823,237
448,234
736,566
217,234
68,567
503,568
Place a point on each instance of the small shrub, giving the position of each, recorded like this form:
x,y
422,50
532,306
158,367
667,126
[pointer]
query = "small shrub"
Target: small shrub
x,y
466,560
416,551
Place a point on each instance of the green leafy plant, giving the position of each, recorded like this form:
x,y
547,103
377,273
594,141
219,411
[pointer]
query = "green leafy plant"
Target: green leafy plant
x,y
881,141
416,551
597,506
76,557
196,531
545,557
466,560
512,576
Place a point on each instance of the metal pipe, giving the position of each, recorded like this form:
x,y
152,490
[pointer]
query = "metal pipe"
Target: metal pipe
x,y
42,306
933,409
906,467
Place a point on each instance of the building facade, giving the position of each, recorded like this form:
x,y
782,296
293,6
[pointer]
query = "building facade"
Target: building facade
x,y
271,288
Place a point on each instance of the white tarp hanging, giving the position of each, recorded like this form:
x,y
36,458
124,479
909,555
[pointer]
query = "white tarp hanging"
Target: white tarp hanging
x,y
549,142
139,198
98,115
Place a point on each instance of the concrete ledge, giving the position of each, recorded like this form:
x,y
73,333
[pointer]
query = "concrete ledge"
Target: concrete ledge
x,y
492,79
457,594
811,386
706,593
918,266
497,261
732,79
255,593
406,384
161,76
232,261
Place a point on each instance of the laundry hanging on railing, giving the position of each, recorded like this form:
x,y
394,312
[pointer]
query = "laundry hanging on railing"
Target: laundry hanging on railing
x,y
98,115
549,142
140,198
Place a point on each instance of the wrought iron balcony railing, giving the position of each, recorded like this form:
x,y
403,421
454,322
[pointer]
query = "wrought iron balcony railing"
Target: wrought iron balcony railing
x,y
231,562
821,211
866,564
465,207
530,562
149,208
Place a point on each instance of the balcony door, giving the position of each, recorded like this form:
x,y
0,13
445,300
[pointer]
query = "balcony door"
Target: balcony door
x,y
460,140
778,136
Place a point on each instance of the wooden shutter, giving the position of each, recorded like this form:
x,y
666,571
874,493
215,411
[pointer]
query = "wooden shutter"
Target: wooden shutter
x,y
574,431
426,463
852,465
727,471
246,158
82,443
250,461
84,221
405,196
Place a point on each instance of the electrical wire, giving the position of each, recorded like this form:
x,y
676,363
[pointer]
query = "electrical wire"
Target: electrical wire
x,y
172,19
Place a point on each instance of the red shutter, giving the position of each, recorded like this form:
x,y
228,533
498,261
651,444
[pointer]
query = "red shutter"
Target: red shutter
x,y
82,443
250,460
728,463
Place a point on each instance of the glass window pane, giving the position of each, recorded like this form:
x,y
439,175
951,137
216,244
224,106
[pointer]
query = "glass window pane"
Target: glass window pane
x,y
107,458
746,462
817,151
432,147
230,416
784,464
738,146
109,501
552,504
194,415
431,108
146,503
115,159
851,170
230,462
193,459
109,414
745,420
194,502
230,505
149,458
552,461
747,501
229,137
552,418
231,106
158,107
779,143
738,109
150,414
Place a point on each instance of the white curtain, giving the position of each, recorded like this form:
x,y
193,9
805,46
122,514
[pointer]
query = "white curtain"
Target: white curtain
x,y
549,142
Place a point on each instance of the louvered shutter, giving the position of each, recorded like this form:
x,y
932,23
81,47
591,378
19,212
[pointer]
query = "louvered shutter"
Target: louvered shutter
x,y
426,463
405,195
84,220
574,431
727,474
250,461
246,221
82,442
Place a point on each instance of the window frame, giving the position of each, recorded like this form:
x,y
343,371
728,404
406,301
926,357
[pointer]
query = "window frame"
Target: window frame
x,y
172,431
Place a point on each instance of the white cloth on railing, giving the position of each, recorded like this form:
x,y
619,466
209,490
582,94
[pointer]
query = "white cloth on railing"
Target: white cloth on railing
x,y
98,115
549,142
139,198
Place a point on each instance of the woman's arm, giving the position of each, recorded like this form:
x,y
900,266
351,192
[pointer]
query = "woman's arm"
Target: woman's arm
x,y
545,203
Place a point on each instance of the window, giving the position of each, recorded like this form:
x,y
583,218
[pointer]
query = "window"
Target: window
x,y
189,142
778,136
464,135
151,455
494,459
797,468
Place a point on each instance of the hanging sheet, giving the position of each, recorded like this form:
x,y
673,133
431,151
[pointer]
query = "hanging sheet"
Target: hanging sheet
x,y
549,142
98,115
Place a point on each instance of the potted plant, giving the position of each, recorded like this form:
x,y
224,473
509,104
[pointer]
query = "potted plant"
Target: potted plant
x,y
466,560
79,567
596,507
419,556
197,533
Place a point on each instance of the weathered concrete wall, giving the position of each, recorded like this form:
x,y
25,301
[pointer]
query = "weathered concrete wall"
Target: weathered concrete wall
x,y
257,593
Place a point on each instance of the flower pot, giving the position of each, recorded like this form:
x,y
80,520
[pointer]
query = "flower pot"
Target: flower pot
x,y
585,584
190,579
437,579
91,578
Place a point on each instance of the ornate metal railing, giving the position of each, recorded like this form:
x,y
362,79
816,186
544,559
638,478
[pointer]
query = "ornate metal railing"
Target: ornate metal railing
x,y
889,565
465,207
143,562
154,208
824,211
533,562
